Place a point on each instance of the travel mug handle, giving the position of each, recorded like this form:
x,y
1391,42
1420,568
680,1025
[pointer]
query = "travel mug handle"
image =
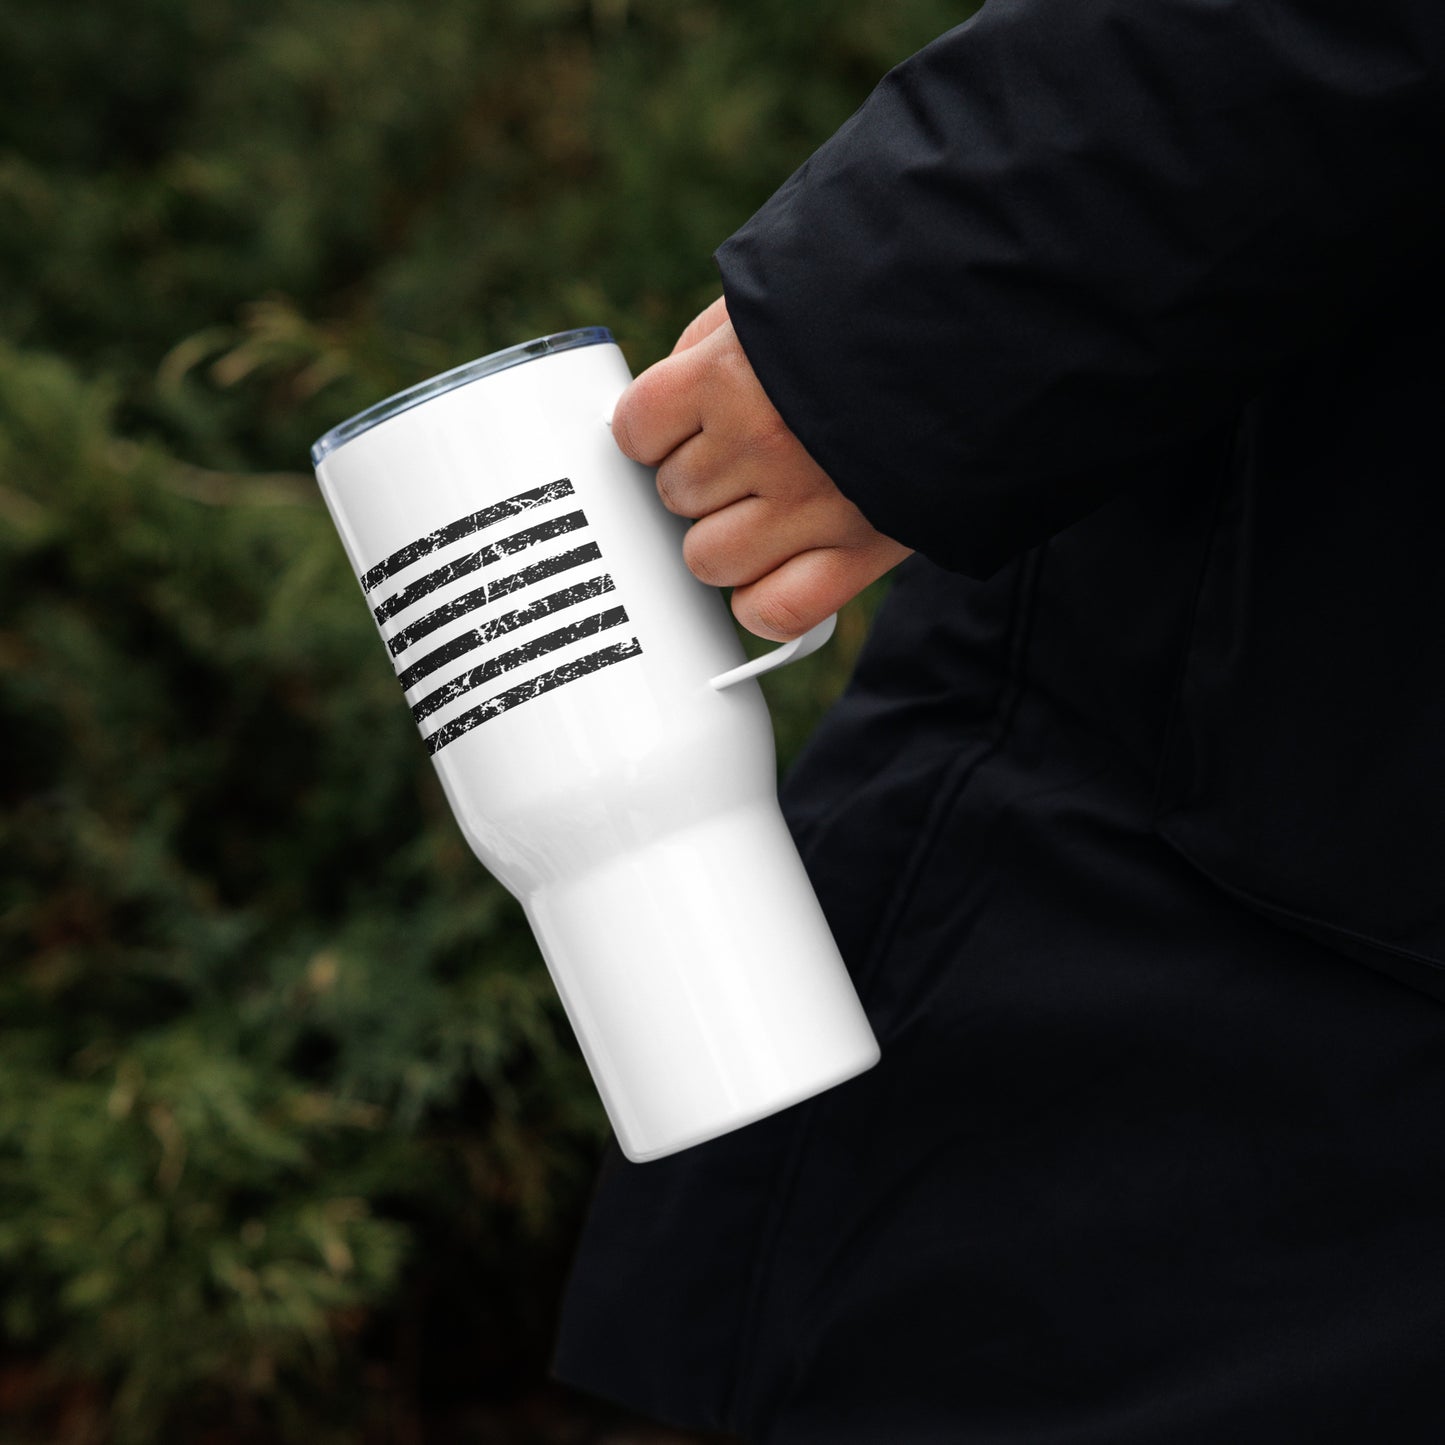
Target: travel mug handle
x,y
786,652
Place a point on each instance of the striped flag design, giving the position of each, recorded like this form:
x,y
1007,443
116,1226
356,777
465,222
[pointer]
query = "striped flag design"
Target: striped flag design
x,y
547,559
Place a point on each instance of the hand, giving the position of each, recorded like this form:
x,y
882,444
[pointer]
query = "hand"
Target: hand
x,y
771,524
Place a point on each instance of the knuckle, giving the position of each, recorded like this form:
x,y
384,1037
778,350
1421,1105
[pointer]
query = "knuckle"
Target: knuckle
x,y
703,560
778,614
672,486
624,426
637,416
666,483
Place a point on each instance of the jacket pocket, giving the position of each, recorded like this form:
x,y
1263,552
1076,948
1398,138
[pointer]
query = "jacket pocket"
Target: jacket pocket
x,y
1304,767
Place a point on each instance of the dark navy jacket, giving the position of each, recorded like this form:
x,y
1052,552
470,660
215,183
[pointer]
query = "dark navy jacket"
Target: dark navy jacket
x,y
1070,253
1127,315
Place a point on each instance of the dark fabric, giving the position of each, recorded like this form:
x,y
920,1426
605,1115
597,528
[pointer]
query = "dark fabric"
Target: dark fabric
x,y
1066,239
1305,768
1124,315
1067,245
1136,1166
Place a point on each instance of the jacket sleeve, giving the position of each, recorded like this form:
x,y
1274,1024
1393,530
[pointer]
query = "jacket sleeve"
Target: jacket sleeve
x,y
1070,236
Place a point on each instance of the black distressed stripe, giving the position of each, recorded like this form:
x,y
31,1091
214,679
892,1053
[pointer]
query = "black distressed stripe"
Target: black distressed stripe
x,y
454,531
494,667
499,626
492,552
526,691
480,596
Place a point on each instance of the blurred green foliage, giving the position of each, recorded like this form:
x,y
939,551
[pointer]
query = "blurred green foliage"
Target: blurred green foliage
x,y
294,1138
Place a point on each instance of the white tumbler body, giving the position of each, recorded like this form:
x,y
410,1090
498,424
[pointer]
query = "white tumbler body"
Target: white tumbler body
x,y
557,655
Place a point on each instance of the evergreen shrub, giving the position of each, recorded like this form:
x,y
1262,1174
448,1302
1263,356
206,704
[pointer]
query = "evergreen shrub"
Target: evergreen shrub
x,y
294,1138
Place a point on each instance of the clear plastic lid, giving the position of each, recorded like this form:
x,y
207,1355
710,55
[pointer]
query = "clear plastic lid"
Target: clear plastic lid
x,y
458,376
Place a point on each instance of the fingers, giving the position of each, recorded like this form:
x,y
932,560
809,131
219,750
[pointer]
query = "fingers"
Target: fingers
x,y
807,588
706,386
695,480
741,543
709,471
738,544
661,409
702,325
667,404
789,567
772,524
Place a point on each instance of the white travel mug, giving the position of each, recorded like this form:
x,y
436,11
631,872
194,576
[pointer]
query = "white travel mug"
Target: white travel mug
x,y
599,735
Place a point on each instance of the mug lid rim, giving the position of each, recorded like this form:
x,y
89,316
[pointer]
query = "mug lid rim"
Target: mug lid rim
x,y
446,381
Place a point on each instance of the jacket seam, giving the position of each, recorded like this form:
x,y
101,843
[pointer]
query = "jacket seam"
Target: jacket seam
x,y
1019,633
957,777
1306,922
1190,631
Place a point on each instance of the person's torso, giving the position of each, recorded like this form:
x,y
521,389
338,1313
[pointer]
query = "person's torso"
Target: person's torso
x,y
1248,642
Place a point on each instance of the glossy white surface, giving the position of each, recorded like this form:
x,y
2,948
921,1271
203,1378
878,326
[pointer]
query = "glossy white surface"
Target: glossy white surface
x,y
621,782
